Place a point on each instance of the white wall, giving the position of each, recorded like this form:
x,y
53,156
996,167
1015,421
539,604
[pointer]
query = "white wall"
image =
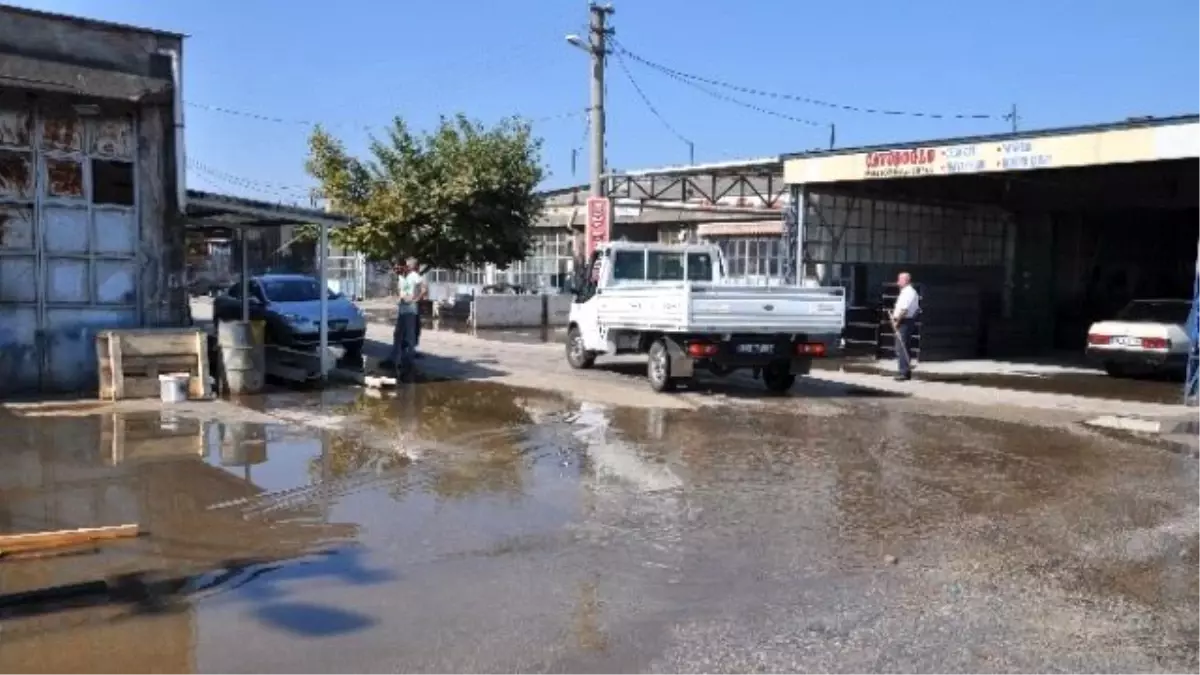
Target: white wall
x,y
520,311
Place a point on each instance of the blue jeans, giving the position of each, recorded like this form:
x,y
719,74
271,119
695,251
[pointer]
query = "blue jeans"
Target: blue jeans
x,y
904,333
404,340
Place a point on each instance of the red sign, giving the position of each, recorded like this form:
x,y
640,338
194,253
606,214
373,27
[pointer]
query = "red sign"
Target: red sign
x,y
910,161
599,217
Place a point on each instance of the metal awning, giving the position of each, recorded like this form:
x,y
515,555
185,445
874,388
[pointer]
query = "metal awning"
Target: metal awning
x,y
215,214
208,211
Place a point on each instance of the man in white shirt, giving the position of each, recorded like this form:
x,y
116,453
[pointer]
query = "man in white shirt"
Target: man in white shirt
x,y
404,338
904,320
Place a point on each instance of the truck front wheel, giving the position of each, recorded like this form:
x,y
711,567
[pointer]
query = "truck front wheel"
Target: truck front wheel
x,y
578,356
658,367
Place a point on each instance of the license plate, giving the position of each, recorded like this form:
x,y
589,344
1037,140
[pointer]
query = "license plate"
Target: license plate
x,y
755,349
1127,341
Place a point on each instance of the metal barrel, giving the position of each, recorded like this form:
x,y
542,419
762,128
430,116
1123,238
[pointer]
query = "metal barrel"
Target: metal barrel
x,y
243,357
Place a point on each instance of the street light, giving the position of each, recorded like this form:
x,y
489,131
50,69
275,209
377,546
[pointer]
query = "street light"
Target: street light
x,y
576,41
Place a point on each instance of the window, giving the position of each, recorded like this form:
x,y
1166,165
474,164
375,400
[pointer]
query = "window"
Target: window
x,y
112,182
291,290
699,267
629,265
664,266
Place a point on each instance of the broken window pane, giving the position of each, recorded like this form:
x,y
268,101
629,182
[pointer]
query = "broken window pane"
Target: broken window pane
x,y
112,182
15,128
16,174
113,137
62,132
64,178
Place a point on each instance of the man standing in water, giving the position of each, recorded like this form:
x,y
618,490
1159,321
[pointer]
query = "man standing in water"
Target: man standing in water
x,y
404,338
904,320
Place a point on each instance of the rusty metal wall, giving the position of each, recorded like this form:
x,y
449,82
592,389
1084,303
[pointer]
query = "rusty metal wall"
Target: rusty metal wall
x,y
79,250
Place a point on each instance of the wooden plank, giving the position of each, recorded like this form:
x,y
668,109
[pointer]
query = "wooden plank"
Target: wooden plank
x,y
58,538
202,367
105,369
116,367
177,341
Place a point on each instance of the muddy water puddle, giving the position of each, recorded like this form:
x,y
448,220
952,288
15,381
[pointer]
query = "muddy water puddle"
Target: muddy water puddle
x,y
472,526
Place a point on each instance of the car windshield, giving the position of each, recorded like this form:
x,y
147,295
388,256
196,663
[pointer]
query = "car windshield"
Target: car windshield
x,y
292,290
1156,311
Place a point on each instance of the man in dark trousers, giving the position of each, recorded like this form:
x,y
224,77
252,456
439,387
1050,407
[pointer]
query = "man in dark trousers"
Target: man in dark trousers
x,y
904,320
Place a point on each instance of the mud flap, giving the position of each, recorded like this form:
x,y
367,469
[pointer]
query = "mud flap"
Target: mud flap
x,y
682,365
801,366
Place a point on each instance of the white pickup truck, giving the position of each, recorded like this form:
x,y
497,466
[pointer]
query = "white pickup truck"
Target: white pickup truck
x,y
674,303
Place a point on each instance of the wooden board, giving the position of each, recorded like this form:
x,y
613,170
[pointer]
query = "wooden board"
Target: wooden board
x,y
36,541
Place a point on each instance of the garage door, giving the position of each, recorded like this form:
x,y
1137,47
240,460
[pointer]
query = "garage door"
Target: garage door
x,y
68,244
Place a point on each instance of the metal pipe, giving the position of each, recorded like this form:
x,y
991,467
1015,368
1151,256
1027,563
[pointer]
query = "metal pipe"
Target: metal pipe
x,y
323,329
177,104
245,273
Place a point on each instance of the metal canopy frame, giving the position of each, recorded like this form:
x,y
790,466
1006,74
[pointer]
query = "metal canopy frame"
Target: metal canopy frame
x,y
214,213
756,183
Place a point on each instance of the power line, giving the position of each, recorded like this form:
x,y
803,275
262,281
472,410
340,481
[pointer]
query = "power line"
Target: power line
x,y
653,110
803,99
365,127
681,78
286,192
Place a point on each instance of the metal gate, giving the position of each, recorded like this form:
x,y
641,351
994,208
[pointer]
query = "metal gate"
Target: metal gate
x,y
68,244
347,274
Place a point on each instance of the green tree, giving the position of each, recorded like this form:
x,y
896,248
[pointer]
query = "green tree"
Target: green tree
x,y
459,196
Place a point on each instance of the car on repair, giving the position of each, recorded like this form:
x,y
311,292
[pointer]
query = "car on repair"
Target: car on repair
x,y
290,306
674,303
1145,337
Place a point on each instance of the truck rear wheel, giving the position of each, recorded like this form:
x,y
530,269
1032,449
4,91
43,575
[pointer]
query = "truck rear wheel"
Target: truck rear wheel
x,y
658,367
578,356
778,377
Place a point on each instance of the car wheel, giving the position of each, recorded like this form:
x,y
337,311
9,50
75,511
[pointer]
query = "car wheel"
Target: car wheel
x,y
658,367
578,356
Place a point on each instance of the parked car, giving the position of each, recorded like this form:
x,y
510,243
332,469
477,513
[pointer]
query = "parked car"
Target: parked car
x,y
290,304
1146,336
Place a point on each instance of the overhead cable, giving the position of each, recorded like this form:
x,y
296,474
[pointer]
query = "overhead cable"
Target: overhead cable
x,y
677,74
650,105
678,77
311,123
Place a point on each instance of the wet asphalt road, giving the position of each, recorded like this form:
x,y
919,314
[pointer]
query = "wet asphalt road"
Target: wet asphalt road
x,y
467,526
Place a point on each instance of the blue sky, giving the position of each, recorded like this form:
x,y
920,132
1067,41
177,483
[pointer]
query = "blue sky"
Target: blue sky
x,y
353,64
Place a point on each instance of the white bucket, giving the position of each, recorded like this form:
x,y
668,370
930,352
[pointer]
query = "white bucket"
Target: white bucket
x,y
173,387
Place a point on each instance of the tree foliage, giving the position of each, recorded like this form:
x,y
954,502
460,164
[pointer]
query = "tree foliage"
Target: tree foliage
x,y
458,196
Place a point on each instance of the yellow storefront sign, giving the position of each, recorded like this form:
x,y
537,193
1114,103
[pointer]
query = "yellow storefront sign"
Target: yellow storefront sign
x,y
1119,146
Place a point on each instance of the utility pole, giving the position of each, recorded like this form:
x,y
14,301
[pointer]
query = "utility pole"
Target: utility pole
x,y
598,47
1013,117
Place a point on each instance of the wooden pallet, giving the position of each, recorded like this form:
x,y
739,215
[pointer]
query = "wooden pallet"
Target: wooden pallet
x,y
131,361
